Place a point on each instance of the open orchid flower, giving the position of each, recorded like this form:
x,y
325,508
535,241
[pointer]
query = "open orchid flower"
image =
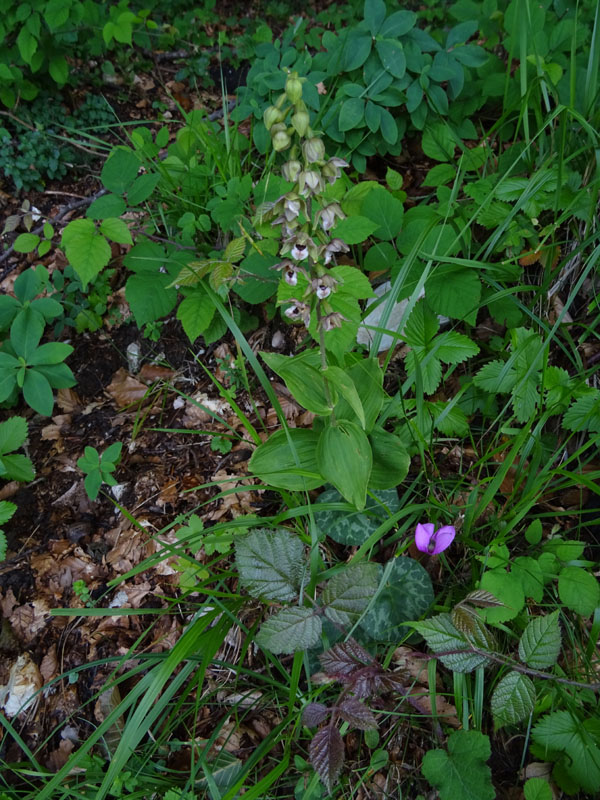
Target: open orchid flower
x,y
428,540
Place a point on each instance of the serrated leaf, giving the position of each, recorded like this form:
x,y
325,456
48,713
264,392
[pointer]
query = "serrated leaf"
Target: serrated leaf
x,y
563,731
193,273
291,629
220,274
235,250
537,789
513,699
357,714
344,658
86,248
539,645
270,564
461,773
482,599
314,714
441,635
327,755
13,433
347,594
467,621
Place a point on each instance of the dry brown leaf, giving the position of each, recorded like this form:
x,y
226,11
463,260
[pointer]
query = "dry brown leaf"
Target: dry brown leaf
x,y
49,666
60,423
194,416
59,757
8,603
126,390
29,619
150,373
68,400
236,503
18,695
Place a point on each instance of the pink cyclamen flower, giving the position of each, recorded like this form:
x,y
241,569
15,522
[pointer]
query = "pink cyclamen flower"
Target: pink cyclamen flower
x,y
428,540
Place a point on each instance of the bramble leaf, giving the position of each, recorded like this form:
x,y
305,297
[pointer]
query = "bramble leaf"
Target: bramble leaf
x,y
539,645
441,635
357,714
513,699
327,755
270,564
314,714
291,629
579,590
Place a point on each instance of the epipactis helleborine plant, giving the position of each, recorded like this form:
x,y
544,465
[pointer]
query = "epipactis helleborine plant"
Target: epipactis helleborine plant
x,y
430,541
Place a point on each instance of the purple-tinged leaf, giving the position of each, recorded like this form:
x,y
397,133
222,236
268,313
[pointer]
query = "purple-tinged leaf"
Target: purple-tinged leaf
x,y
345,658
357,714
482,599
314,714
327,755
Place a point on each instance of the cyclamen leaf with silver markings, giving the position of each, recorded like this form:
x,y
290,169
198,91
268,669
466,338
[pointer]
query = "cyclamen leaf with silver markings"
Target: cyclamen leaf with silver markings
x,y
327,755
270,564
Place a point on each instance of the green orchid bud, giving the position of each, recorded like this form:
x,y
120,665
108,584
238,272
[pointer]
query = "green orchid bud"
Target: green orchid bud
x,y
300,121
281,141
313,150
291,169
293,88
271,116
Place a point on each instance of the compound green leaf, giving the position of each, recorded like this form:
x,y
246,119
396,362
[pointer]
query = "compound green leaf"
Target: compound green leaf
x,y
16,467
347,594
13,433
352,113
438,142
291,629
270,564
392,56
513,699
461,772
539,645
38,392
563,731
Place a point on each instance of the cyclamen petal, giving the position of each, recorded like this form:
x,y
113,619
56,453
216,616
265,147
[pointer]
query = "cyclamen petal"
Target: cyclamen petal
x,y
430,541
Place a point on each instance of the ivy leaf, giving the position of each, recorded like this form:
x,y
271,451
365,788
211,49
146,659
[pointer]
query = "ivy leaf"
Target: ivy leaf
x,y
440,634
563,731
513,699
270,564
314,714
357,714
461,772
539,645
327,755
291,629
347,594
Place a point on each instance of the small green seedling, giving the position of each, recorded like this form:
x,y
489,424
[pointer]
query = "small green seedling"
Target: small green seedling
x,y
99,468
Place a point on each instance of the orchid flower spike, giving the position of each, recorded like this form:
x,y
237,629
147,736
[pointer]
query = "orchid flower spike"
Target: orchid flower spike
x,y
428,540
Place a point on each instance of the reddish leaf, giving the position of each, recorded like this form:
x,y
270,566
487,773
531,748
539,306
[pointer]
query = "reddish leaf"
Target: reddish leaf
x,y
327,755
314,714
345,658
357,714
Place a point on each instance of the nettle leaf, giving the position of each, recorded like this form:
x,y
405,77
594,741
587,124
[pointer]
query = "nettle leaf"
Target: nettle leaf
x,y
347,594
406,595
270,564
441,635
357,714
314,714
563,731
513,699
461,772
579,590
539,645
291,629
327,755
